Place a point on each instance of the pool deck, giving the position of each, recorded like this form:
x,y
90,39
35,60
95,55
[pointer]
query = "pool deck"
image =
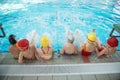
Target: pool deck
x,y
65,77
6,58
57,68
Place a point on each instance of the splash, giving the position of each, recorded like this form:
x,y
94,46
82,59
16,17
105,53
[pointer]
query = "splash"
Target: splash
x,y
7,8
37,1
33,37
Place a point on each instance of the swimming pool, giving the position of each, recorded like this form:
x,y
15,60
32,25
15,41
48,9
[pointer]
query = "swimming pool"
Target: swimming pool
x,y
54,17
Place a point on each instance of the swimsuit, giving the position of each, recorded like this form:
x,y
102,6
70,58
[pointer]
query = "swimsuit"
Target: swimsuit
x,y
84,52
43,57
68,54
44,51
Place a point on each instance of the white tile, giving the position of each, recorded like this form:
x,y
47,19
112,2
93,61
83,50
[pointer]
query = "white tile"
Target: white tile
x,y
88,77
30,78
114,76
75,77
14,78
3,77
45,78
59,78
102,77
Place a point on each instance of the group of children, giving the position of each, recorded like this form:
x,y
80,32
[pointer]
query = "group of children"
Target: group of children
x,y
23,49
92,45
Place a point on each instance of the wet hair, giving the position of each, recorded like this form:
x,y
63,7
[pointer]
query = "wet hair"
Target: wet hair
x,y
12,39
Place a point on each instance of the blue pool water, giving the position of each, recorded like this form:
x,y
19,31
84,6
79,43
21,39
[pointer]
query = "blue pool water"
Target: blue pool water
x,y
54,17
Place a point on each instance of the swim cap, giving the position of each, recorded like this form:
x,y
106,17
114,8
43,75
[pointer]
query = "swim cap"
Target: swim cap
x,y
113,42
23,44
91,37
70,38
12,39
44,41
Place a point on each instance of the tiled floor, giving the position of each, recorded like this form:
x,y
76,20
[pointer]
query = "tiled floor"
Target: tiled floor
x,y
5,58
65,77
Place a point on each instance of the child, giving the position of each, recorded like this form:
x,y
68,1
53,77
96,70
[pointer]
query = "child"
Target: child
x,y
13,49
109,49
69,48
88,48
27,51
45,52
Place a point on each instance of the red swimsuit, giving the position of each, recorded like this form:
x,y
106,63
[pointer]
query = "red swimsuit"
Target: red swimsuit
x,y
84,52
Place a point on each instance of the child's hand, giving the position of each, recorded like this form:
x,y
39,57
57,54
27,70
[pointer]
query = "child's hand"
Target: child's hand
x,y
20,61
77,31
68,32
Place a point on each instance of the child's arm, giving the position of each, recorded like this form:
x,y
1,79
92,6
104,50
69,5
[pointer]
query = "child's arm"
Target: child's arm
x,y
98,43
76,50
36,53
80,42
78,39
104,51
32,39
20,59
62,51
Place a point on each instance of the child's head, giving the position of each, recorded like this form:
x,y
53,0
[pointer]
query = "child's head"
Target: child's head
x,y
12,39
112,41
70,38
23,44
44,41
91,37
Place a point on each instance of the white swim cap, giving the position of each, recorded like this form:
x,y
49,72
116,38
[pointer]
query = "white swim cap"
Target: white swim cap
x,y
70,38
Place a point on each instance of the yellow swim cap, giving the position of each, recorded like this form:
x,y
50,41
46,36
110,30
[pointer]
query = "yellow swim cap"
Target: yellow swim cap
x,y
44,41
91,37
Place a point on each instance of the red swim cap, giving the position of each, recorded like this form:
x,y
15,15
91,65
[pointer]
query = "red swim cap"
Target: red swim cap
x,y
113,42
22,44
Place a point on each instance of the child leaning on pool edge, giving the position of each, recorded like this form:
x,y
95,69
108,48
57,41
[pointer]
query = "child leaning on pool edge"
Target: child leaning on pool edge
x,y
13,48
109,48
69,48
46,50
88,48
27,51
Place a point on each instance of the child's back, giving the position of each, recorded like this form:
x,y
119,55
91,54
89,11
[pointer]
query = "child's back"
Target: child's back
x,y
27,51
88,48
45,52
69,47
